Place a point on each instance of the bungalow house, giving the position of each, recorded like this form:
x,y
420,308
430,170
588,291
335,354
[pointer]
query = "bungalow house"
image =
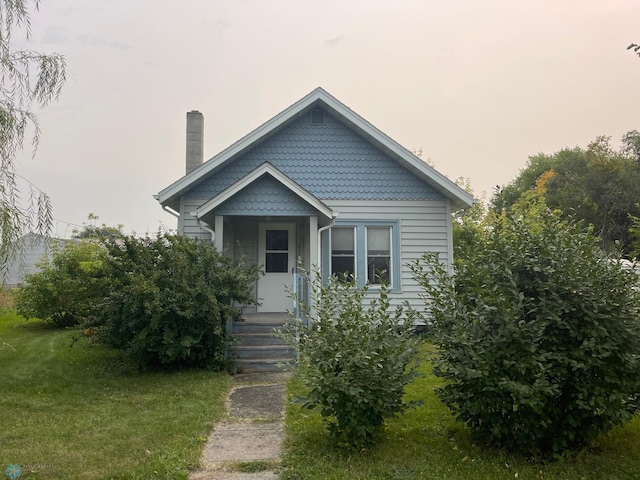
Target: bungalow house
x,y
320,185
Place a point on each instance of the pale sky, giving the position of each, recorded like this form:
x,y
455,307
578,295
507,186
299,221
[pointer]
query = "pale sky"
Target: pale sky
x,y
479,85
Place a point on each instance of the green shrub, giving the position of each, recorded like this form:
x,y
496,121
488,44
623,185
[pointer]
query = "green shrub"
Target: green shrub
x,y
539,336
6,299
67,287
169,300
354,359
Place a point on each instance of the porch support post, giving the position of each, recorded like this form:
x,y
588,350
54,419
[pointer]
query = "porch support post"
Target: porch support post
x,y
314,258
219,229
313,242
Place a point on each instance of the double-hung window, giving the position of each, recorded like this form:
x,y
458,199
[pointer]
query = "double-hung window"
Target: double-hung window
x,y
367,251
343,253
378,255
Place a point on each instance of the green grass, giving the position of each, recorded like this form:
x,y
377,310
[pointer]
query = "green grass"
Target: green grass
x,y
253,466
71,410
427,443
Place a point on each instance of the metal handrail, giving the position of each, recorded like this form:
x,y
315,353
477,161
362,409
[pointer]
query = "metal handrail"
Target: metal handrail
x,y
299,299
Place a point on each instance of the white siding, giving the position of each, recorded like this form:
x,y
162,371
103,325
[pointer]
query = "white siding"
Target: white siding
x,y
35,249
246,237
187,224
425,226
245,242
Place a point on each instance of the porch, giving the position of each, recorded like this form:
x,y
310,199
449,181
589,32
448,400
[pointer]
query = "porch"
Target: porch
x,y
284,247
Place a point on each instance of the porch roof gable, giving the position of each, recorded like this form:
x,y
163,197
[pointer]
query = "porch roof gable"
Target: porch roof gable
x,y
264,169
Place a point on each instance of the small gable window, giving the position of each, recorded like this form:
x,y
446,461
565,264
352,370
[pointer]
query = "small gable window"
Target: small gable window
x,y
317,117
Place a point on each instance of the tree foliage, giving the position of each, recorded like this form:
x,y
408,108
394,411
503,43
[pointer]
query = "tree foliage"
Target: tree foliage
x,y
596,184
634,230
354,359
169,300
90,229
67,286
163,300
538,334
468,226
28,78
631,145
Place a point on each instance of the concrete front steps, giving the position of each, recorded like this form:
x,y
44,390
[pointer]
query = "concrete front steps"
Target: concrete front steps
x,y
259,348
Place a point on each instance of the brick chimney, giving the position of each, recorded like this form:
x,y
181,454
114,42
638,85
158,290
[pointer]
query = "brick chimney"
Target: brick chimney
x,y
195,140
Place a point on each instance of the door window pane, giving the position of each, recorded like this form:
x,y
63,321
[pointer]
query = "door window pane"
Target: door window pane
x,y
276,251
378,254
276,262
277,240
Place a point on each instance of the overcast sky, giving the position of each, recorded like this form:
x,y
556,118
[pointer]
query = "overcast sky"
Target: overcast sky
x,y
478,85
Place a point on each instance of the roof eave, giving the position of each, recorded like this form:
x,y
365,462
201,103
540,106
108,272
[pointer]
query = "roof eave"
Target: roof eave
x,y
459,197
267,128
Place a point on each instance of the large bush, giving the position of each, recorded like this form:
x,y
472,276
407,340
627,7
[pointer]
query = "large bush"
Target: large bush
x,y
539,336
354,358
169,300
67,286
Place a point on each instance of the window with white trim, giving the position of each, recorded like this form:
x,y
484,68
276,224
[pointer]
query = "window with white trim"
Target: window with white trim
x,y
367,250
343,253
378,248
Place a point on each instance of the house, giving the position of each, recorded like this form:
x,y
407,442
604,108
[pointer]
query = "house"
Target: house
x,y
320,185
33,248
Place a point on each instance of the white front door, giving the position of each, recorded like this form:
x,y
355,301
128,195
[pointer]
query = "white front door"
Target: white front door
x,y
277,255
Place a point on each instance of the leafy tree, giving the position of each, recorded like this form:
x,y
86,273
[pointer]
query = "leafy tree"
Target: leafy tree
x,y
28,77
67,287
354,358
538,333
91,230
596,184
635,47
169,300
526,180
468,226
634,230
631,145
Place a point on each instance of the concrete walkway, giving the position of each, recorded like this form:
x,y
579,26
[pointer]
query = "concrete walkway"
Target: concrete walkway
x,y
251,438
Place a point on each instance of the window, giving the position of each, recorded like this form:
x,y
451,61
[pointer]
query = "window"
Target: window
x,y
378,254
368,250
343,252
277,251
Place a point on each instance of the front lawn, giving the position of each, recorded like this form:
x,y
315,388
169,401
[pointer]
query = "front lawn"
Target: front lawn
x,y
70,410
427,443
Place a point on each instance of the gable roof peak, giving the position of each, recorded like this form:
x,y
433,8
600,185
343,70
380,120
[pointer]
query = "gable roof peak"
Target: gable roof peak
x,y
320,97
